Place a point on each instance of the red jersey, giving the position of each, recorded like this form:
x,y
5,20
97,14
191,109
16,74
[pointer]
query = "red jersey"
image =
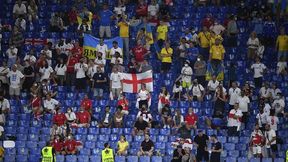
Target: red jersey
x,y
208,22
83,117
36,102
139,53
57,145
124,104
71,145
59,119
72,15
142,10
191,119
87,104
71,62
77,52
257,138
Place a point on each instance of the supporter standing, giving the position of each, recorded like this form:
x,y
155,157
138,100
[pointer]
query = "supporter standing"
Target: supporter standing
x,y
105,17
271,145
234,120
258,69
200,141
15,80
282,45
256,141
216,149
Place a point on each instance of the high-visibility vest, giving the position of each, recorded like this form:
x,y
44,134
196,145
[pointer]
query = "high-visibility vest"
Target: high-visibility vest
x,y
286,155
47,154
107,155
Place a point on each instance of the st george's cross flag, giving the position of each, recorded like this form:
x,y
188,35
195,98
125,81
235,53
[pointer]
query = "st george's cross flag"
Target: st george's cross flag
x,y
132,82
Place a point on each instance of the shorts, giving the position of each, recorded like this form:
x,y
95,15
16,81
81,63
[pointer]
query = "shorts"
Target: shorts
x,y
257,150
282,54
105,30
186,84
80,83
14,91
116,92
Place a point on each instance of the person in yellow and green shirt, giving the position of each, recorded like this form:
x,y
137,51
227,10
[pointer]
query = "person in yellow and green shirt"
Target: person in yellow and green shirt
x,y
216,54
166,57
162,33
107,154
204,42
282,45
124,34
122,145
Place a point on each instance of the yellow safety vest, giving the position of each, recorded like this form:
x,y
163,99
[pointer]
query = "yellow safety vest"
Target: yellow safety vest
x,y
47,154
107,155
286,155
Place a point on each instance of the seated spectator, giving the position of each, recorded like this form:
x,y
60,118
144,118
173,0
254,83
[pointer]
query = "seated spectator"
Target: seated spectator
x,y
166,57
178,119
178,154
118,118
200,70
70,116
60,70
57,144
177,91
86,103
15,80
147,147
142,9
45,87
198,91
59,118
258,69
107,118
56,23
83,118
271,144
12,55
70,145
19,9
100,82
278,105
273,120
219,104
166,117
115,83
124,103
5,108
212,85
234,93
35,89
191,119
58,131
234,120
163,99
50,104
122,146
140,127
253,44
140,52
147,116
143,97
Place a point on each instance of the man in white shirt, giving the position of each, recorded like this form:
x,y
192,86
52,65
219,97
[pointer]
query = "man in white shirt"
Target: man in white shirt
x,y
259,69
80,69
115,83
279,105
15,78
30,57
19,9
261,118
12,55
273,120
217,28
198,91
186,75
48,54
234,120
274,90
100,61
115,49
212,85
4,108
271,145
50,104
102,48
21,23
243,106
153,8
264,91
234,93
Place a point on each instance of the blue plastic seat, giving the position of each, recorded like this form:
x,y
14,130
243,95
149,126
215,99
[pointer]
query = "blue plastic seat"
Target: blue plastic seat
x,y
89,144
10,131
229,146
60,158
22,158
97,150
82,131
31,144
144,159
93,130
9,158
19,144
103,138
244,140
233,153
162,139
117,130
279,160
244,159
160,145
33,137
266,159
22,151
34,130
105,130
92,138
255,160
83,158
156,159
22,137
41,144
132,159
233,139
71,158
120,158
165,132
35,151
138,138
114,137
95,158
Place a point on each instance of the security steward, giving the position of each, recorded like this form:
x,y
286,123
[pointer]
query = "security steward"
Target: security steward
x,y
48,153
107,154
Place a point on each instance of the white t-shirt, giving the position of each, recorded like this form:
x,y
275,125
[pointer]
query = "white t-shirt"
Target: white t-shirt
x,y
253,43
278,104
19,9
100,62
243,103
46,72
92,70
234,122
114,50
273,121
119,59
15,78
281,66
274,92
64,48
258,69
217,29
143,95
80,69
51,104
267,108
103,49
234,95
177,89
4,104
61,70
30,58
70,116
146,116
116,80
262,119
269,136
12,52
197,90
48,54
186,73
213,85
119,10
153,9
3,72
264,92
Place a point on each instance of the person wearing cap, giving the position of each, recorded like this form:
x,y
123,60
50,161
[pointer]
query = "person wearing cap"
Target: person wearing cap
x,y
186,75
200,141
216,149
234,120
48,153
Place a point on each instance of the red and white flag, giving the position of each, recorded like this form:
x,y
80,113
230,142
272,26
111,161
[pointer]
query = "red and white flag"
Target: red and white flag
x,y
132,82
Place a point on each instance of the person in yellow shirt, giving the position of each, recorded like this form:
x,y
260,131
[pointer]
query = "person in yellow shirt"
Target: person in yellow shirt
x,y
166,57
282,45
213,38
122,145
162,32
216,54
204,41
124,34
